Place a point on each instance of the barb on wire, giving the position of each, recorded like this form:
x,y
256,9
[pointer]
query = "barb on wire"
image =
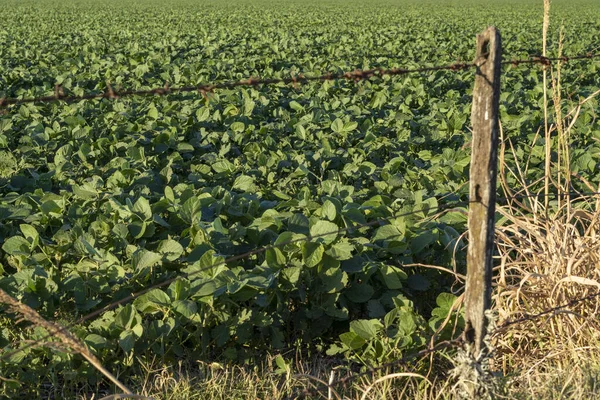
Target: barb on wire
x,y
546,61
229,260
543,195
531,317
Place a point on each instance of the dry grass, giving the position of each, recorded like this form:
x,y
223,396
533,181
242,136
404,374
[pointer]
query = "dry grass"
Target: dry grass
x,y
549,254
217,381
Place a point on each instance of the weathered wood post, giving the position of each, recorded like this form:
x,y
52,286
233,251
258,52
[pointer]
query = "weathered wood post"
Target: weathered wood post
x,y
482,192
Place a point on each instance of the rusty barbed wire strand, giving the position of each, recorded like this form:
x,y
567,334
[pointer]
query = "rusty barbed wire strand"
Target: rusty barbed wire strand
x,y
546,61
531,317
356,75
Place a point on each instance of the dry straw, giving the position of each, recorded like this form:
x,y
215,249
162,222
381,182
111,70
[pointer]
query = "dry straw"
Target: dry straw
x,y
549,255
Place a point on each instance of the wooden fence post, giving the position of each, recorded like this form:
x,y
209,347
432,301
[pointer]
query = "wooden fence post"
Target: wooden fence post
x,y
482,192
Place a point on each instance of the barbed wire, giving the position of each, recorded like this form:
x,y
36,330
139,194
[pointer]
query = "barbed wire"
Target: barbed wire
x,y
299,79
356,75
546,61
133,296
531,317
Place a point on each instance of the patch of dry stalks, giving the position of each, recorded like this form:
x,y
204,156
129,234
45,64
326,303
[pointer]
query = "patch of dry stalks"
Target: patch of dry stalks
x,y
549,253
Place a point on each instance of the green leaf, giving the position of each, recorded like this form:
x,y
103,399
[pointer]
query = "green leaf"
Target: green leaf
x,y
407,324
420,242
30,232
333,280
191,212
62,155
153,112
137,229
393,276
352,340
204,289
337,126
350,126
125,317
203,114
244,183
275,257
223,167
324,232
445,301
142,208
16,245
144,259
95,341
179,290
328,210
294,105
220,334
85,192
341,251
366,329
388,233
127,340
312,254
292,274
418,282
298,223
359,292
170,249
187,308
153,301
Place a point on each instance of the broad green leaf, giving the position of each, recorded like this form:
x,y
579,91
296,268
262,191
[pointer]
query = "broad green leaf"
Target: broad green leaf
x,y
190,212
337,126
153,112
328,210
127,340
418,282
366,329
95,341
341,251
275,257
324,232
187,308
171,249
143,259
312,254
142,208
223,166
244,183
125,317
352,340
153,301
393,276
16,245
